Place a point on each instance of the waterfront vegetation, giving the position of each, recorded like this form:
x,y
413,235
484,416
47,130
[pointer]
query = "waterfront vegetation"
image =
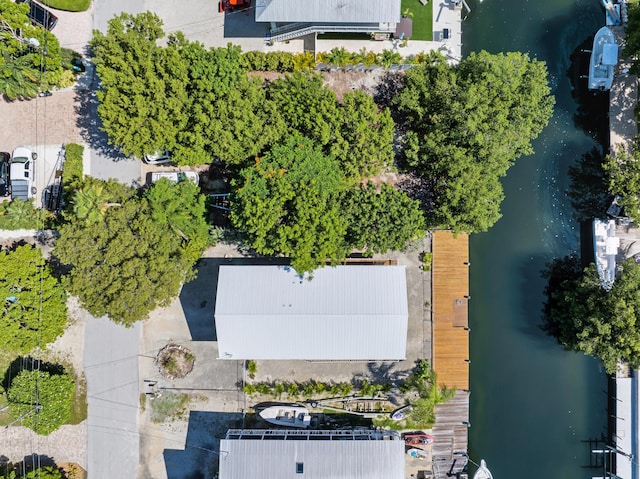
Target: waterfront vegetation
x,y
585,317
459,129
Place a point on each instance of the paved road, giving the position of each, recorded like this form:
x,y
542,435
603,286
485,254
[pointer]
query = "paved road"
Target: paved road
x,y
111,370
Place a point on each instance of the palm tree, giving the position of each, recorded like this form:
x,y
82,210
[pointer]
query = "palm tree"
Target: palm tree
x,y
389,57
19,211
18,77
91,202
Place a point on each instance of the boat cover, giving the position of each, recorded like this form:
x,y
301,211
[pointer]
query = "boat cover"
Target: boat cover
x,y
610,54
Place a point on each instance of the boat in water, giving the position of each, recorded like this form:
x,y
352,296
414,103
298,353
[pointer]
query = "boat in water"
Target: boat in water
x,y
483,471
401,413
605,246
612,12
604,57
417,453
287,415
417,438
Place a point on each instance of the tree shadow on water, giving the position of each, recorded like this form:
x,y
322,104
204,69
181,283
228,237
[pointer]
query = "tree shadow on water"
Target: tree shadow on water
x,y
588,188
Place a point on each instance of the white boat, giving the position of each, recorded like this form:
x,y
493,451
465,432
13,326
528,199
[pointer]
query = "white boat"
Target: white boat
x,y
605,245
483,471
604,57
175,176
401,413
287,415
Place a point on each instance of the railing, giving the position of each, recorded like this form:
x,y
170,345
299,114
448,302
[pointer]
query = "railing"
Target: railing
x,y
292,434
295,30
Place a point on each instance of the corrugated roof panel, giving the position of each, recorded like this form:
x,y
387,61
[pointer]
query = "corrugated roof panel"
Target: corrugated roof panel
x,y
344,312
328,11
276,459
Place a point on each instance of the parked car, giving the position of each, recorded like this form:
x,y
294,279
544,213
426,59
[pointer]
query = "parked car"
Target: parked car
x,y
21,173
39,15
5,160
159,158
175,176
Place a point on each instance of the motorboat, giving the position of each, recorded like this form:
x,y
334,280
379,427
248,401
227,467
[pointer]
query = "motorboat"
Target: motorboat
x,y
612,12
418,438
604,57
417,453
287,415
401,413
605,245
483,471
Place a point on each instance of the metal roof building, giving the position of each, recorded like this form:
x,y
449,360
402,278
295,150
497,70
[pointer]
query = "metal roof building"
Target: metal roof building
x,y
328,11
343,313
305,455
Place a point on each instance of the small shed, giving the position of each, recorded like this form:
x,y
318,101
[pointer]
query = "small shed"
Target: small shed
x,y
342,313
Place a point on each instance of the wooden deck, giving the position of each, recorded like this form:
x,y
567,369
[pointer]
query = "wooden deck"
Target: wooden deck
x,y
450,296
450,436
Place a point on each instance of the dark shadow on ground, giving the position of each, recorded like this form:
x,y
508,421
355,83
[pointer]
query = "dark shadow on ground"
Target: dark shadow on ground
x,y
28,363
88,121
198,297
199,458
242,24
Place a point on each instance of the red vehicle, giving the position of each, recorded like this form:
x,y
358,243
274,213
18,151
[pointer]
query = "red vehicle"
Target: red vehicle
x,y
225,5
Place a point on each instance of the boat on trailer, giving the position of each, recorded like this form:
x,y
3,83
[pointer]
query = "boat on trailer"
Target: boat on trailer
x,y
604,57
417,438
401,413
287,415
483,471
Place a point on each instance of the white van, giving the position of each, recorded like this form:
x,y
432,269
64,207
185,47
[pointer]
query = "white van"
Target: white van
x,y
175,176
21,173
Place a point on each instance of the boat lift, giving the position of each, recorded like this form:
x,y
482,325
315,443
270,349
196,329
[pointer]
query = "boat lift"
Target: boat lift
x,y
220,201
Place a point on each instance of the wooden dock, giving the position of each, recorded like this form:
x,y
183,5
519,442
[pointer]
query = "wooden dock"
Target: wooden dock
x,y
450,297
450,309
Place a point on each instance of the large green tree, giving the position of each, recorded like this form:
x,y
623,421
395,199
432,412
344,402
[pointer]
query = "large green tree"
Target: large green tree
x,y
26,67
135,255
467,124
34,311
40,400
288,204
143,96
355,132
583,316
381,218
623,174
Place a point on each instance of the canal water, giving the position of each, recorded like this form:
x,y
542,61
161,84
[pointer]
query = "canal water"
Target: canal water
x,y
532,403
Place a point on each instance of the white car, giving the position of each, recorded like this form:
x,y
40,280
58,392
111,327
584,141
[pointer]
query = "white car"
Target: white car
x,y
175,176
21,173
159,158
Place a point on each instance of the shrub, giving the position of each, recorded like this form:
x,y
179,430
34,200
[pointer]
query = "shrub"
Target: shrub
x,y
54,393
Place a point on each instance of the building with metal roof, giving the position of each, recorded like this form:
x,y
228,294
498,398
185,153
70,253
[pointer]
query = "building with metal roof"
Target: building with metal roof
x,y
342,313
290,19
282,454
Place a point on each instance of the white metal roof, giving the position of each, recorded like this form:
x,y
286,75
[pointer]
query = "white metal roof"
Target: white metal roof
x,y
328,11
343,313
277,459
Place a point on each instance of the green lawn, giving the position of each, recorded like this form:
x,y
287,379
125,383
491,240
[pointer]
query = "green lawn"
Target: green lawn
x,y
68,5
422,19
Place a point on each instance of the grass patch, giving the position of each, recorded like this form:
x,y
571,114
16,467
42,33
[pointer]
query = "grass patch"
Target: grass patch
x,y
422,19
79,404
68,5
169,407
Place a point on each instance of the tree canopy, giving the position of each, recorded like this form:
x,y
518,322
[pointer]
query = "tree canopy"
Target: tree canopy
x,y
287,204
623,171
143,99
585,317
34,311
24,69
466,126
41,400
297,201
129,254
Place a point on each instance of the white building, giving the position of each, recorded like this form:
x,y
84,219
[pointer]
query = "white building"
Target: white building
x,y
342,313
283,454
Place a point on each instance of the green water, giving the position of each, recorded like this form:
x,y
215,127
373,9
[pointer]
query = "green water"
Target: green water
x,y
531,402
